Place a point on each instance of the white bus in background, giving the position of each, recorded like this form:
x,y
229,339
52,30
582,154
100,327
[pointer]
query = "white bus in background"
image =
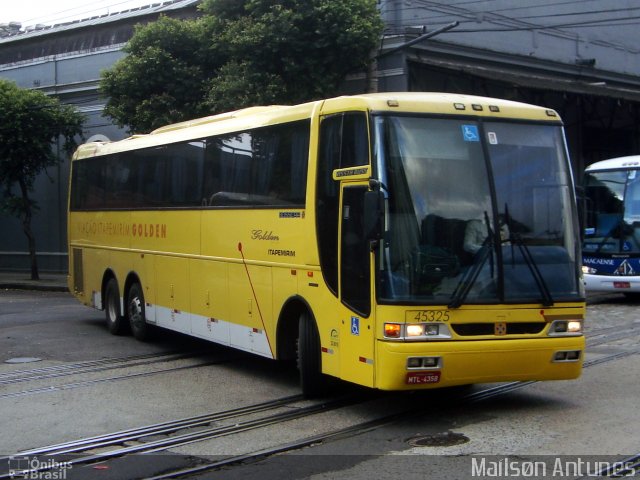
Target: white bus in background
x,y
611,237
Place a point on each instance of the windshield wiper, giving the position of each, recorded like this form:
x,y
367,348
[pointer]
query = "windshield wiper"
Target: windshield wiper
x,y
514,238
471,275
547,299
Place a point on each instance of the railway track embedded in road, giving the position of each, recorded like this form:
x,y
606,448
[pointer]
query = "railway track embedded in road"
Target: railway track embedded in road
x,y
90,366
164,436
127,376
482,395
180,432
203,427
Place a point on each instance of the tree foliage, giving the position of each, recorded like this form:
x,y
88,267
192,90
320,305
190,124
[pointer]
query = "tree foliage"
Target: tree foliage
x,y
160,80
239,53
30,122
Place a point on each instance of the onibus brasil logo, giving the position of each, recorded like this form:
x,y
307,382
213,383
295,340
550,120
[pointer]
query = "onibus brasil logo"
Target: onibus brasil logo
x,y
37,468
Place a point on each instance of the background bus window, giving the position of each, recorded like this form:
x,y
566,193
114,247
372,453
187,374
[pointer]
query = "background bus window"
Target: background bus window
x,y
604,207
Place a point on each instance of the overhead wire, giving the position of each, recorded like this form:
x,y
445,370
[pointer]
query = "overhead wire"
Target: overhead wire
x,y
588,12
608,22
488,13
470,16
528,6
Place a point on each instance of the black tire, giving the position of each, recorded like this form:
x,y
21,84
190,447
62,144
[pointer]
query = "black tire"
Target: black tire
x,y
632,296
115,321
136,313
312,381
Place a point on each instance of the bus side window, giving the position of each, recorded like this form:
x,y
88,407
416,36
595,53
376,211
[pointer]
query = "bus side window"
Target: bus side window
x,y
266,166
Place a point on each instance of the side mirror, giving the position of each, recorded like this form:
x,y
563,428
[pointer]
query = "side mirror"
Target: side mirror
x,y
373,215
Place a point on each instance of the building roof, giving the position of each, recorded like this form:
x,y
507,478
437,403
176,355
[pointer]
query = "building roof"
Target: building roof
x,y
37,31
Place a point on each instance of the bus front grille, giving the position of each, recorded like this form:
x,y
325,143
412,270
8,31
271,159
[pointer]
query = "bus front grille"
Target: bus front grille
x,y
483,329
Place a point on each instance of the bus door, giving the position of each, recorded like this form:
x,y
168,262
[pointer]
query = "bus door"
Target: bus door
x,y
357,320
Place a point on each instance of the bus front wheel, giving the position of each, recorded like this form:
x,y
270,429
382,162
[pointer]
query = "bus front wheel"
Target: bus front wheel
x,y
115,322
135,310
312,380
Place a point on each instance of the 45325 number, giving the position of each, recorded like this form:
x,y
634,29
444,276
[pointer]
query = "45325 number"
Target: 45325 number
x,y
428,316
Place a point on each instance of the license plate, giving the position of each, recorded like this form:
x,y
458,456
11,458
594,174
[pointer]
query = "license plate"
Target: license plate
x,y
420,378
621,285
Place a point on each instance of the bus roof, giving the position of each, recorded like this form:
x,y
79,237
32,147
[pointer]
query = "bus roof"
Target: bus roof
x,y
253,117
632,161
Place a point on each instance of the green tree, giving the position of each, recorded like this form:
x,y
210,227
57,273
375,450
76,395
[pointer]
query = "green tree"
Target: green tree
x,y
239,53
30,122
301,49
160,81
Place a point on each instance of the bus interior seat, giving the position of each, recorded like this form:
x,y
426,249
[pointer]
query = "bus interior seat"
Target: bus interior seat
x,y
447,233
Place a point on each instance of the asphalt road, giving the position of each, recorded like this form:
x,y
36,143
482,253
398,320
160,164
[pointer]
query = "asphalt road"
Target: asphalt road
x,y
551,430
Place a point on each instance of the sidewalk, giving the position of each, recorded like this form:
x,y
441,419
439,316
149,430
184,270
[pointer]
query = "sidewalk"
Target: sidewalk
x,y
51,282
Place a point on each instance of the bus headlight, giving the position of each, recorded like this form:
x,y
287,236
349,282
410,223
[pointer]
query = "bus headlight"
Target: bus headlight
x,y
432,329
416,331
567,356
422,330
589,270
424,363
565,327
414,362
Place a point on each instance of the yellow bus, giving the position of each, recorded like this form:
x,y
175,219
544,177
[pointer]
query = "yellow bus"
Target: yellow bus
x,y
394,240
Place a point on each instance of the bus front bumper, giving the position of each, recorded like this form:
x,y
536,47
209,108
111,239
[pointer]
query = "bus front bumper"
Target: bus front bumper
x,y
482,361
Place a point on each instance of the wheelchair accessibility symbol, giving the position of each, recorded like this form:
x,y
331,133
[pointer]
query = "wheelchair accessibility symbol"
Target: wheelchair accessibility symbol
x,y
470,133
355,326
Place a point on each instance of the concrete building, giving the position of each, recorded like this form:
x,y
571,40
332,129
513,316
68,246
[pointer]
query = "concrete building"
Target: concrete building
x,y
579,57
66,60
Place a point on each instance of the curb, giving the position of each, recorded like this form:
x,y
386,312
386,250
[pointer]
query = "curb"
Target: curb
x,y
41,288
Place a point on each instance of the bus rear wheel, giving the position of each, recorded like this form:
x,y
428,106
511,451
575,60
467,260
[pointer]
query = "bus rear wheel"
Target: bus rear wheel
x,y
135,311
115,322
312,381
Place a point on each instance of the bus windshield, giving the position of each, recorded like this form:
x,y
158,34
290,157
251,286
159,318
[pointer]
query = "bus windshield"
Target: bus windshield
x,y
612,221
477,212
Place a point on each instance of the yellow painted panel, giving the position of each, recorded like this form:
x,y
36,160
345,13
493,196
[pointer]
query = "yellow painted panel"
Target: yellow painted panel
x,y
209,289
171,231
113,229
465,362
172,283
268,235
357,362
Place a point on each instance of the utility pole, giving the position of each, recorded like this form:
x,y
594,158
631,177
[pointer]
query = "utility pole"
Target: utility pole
x,y
373,65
